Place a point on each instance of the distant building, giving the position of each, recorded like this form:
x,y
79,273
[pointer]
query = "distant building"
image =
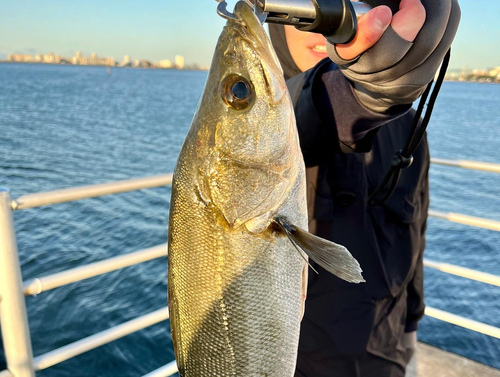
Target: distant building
x,y
165,63
145,64
110,61
79,59
94,60
20,58
476,75
179,62
49,58
495,72
126,62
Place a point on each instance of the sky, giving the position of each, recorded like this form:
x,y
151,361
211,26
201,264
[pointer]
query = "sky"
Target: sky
x,y
157,30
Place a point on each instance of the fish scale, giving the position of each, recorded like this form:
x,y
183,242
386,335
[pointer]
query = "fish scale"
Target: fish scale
x,y
243,339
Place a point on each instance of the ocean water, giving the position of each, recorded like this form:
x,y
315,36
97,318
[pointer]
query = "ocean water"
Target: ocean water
x,y
65,126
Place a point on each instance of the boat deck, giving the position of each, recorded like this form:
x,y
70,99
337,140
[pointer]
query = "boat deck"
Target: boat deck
x,y
434,362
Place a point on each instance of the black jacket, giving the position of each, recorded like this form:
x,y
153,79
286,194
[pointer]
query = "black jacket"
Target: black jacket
x,y
388,240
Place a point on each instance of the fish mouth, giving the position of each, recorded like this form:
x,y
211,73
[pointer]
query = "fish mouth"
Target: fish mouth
x,y
251,24
245,14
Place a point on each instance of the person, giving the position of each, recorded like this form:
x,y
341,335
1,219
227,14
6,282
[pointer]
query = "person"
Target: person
x,y
352,117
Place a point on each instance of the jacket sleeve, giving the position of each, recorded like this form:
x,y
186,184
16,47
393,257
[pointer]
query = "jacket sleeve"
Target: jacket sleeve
x,y
415,289
330,118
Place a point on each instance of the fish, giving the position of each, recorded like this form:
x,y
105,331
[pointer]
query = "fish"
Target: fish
x,y
238,248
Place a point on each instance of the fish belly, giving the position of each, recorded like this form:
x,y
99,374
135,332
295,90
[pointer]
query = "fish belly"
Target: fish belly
x,y
234,297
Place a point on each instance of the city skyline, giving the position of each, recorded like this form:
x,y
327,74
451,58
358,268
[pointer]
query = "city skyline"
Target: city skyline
x,y
155,30
94,59
37,57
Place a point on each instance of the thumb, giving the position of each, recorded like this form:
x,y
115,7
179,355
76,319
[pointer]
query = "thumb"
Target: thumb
x,y
370,28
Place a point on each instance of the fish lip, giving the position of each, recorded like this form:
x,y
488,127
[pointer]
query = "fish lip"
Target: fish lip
x,y
249,22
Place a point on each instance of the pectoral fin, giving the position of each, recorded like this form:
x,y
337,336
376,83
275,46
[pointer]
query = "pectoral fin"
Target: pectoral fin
x,y
329,255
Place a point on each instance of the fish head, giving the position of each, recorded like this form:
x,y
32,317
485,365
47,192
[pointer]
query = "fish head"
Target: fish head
x,y
246,138
248,93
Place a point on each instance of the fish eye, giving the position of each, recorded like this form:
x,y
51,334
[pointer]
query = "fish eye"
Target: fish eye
x,y
237,92
240,90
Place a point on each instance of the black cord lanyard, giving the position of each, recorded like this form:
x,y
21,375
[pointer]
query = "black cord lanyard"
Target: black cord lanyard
x,y
402,159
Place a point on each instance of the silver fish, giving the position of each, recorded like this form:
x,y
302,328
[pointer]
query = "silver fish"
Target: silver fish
x,y
236,279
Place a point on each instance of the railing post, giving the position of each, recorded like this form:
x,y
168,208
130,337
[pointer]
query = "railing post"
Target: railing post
x,y
13,317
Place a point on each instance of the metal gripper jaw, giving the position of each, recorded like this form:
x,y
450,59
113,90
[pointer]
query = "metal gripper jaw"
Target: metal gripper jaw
x,y
335,19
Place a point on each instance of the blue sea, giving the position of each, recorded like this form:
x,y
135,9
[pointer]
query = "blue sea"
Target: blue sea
x,y
66,126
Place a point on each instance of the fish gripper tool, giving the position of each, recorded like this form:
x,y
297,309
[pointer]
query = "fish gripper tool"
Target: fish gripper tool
x,y
335,19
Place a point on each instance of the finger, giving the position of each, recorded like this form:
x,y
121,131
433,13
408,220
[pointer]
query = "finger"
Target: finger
x,y
410,18
370,28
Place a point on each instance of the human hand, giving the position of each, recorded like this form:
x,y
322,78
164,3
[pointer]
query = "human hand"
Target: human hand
x,y
391,60
407,22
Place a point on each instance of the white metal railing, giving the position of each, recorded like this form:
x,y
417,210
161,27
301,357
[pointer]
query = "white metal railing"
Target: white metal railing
x,y
16,336
463,322
92,191
13,316
467,220
462,271
466,164
74,349
468,273
42,284
164,371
